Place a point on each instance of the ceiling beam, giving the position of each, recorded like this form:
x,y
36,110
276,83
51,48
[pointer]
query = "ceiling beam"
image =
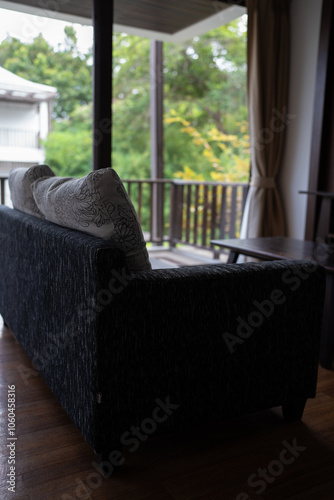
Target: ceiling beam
x,y
219,13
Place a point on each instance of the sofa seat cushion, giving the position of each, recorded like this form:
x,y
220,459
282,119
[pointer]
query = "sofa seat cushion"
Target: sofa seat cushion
x,y
97,204
20,181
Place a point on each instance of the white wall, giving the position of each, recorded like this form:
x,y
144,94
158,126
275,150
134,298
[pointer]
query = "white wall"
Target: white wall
x,y
21,155
294,174
20,126
15,115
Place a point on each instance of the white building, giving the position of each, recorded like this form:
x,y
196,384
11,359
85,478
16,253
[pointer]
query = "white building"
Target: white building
x,y
25,119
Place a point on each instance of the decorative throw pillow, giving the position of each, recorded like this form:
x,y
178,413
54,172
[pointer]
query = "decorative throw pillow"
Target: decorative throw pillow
x,y
97,204
20,180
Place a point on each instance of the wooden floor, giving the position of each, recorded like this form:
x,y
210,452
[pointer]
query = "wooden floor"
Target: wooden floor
x,y
54,462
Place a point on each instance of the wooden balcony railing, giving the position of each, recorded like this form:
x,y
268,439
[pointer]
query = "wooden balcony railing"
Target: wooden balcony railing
x,y
182,212
189,212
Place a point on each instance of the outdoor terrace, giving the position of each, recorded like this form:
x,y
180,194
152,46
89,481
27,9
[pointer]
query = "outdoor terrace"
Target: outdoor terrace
x,y
179,217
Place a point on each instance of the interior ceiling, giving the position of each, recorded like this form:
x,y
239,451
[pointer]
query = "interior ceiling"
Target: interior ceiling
x,y
164,16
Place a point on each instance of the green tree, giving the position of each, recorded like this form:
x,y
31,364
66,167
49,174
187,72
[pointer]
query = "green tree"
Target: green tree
x,y
66,69
69,146
204,85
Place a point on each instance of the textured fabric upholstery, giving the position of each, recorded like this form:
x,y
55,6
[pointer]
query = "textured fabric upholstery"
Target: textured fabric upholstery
x,y
135,338
20,181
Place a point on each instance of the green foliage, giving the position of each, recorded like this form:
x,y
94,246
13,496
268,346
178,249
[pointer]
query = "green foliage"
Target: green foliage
x,y
204,84
208,76
227,156
65,69
204,103
69,154
131,106
69,146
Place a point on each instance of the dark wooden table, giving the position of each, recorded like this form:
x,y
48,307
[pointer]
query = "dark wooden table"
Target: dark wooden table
x,y
280,248
325,219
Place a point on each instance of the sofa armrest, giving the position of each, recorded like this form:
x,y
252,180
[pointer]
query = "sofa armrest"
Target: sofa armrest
x,y
48,287
249,332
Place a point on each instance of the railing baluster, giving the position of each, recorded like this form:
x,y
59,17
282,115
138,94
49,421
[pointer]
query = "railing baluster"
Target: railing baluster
x,y
139,200
188,213
172,198
233,212
205,215
163,185
180,198
223,213
213,212
151,210
196,213
176,213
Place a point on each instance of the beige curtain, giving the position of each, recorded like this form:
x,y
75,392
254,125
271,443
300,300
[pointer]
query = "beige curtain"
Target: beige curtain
x,y
268,64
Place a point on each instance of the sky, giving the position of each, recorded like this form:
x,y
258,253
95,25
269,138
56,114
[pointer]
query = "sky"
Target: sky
x,y
26,27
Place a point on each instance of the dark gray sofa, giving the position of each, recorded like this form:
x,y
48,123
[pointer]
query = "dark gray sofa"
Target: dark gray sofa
x,y
157,350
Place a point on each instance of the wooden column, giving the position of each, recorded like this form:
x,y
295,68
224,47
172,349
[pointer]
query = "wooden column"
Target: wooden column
x,y
102,82
321,177
157,161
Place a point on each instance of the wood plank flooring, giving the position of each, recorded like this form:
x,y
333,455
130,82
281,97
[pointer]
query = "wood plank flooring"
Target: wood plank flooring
x,y
221,462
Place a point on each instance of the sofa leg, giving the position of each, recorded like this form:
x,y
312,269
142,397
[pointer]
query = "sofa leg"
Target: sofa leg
x,y
293,411
110,459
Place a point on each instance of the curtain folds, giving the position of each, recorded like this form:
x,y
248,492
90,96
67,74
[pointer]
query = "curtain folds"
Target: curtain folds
x,y
268,72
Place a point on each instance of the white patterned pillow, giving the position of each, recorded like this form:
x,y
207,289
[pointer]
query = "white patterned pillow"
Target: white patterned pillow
x,y
97,204
20,180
